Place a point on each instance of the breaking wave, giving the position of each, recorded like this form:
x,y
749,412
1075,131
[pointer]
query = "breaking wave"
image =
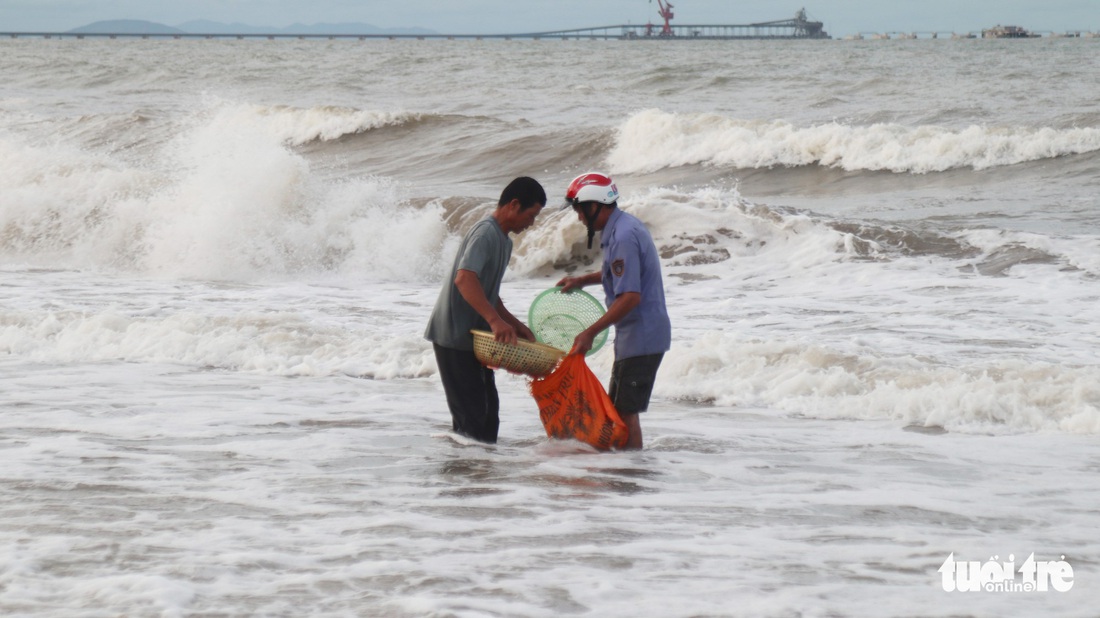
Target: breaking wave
x,y
1006,396
652,140
299,126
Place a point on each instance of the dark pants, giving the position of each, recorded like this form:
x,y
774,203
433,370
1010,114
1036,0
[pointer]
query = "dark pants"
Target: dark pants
x,y
471,394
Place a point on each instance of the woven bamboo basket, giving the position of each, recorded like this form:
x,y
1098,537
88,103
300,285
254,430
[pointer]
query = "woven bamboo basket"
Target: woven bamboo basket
x,y
533,359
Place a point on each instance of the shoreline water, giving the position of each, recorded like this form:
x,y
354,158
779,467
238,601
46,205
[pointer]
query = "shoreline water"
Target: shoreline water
x,y
349,497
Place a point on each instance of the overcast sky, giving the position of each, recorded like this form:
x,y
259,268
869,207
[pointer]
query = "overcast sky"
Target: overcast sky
x,y
841,17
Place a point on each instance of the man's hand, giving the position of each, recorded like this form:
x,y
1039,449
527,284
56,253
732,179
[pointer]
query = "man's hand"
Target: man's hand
x,y
583,342
525,333
568,284
504,332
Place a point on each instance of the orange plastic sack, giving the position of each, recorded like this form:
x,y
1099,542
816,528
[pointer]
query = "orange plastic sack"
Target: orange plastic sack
x,y
574,406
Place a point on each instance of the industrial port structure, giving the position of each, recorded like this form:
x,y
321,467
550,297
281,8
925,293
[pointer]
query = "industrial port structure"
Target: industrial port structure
x,y
799,27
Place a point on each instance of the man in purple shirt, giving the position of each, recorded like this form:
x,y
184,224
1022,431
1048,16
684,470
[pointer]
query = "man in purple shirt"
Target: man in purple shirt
x,y
635,296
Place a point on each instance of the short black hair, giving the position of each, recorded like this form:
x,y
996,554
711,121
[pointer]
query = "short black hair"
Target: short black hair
x,y
527,190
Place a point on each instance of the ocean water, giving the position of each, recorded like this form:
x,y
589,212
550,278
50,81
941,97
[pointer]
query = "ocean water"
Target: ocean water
x,y
217,259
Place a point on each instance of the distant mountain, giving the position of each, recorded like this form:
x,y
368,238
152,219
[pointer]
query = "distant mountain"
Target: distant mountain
x,y
202,26
126,26
351,28
205,26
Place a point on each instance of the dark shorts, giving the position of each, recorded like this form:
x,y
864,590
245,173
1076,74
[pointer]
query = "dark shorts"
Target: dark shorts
x,y
632,382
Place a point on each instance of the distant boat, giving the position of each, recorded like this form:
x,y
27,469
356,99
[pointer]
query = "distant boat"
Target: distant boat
x,y
1007,32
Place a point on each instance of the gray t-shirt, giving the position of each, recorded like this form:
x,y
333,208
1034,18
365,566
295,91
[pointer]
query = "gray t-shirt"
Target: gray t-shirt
x,y
485,251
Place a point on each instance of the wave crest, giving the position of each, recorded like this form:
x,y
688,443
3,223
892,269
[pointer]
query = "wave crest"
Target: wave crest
x,y
299,126
1005,396
652,140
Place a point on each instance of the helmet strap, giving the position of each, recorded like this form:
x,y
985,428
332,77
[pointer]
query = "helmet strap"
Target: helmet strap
x,y
590,221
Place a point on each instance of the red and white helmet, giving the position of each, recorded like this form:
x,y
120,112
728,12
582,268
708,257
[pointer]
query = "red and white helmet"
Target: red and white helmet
x,y
591,187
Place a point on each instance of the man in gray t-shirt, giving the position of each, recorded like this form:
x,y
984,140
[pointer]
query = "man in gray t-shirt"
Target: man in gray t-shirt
x,y
470,299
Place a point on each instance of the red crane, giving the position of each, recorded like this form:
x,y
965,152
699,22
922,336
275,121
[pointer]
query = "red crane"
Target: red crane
x,y
666,12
